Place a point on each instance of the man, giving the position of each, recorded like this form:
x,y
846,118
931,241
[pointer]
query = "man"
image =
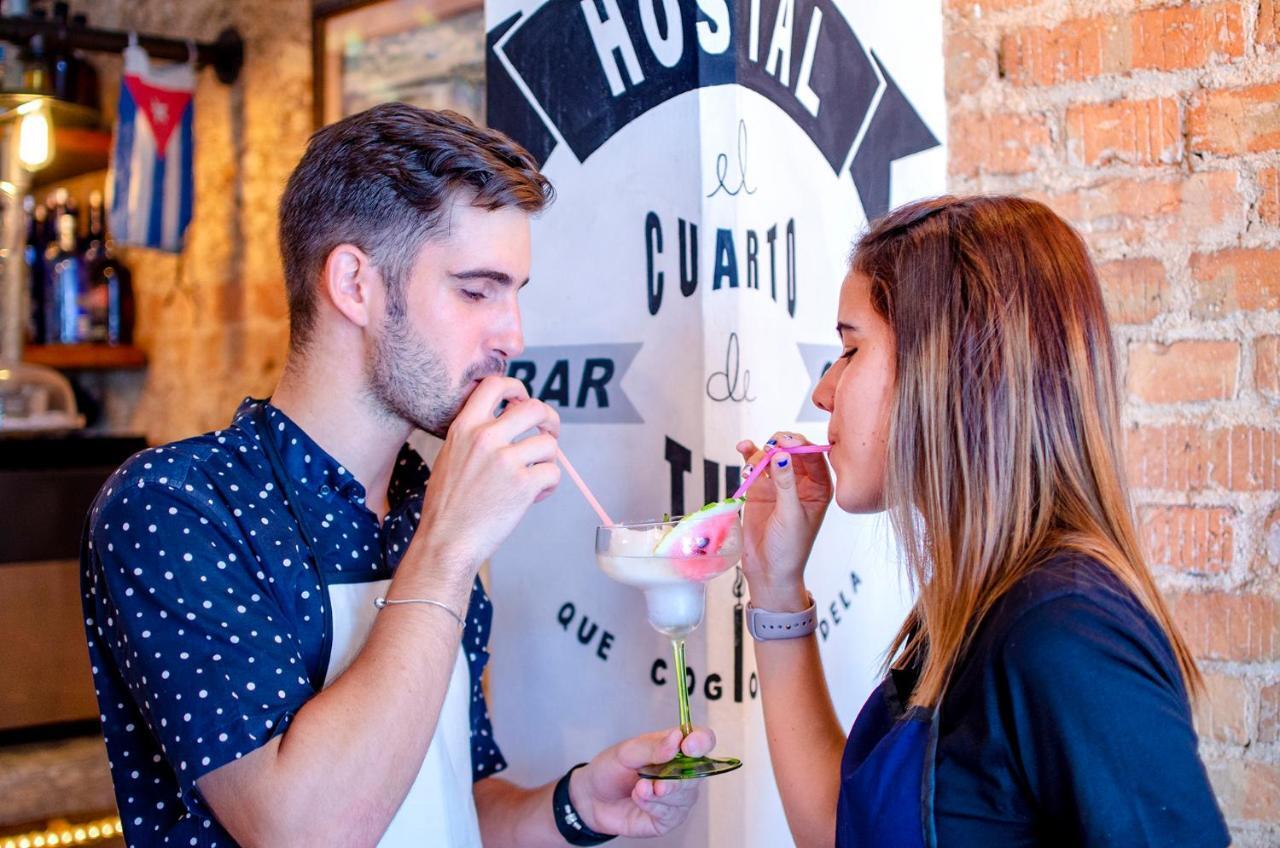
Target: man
x,y
275,610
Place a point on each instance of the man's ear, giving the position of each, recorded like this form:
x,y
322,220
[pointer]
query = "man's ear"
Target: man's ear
x,y
352,283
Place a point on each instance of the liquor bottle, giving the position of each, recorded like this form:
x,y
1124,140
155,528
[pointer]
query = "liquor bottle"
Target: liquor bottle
x,y
35,67
110,295
33,256
110,298
62,64
86,74
66,315
96,234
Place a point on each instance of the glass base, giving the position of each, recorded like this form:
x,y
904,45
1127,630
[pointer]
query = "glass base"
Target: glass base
x,y
687,768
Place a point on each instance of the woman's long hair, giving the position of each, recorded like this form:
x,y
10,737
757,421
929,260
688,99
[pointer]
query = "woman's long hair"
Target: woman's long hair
x,y
1004,444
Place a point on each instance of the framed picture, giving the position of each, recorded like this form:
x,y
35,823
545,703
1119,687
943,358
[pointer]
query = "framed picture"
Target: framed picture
x,y
426,52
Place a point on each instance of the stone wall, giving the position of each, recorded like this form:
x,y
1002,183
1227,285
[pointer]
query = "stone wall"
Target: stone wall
x,y
213,320
1154,127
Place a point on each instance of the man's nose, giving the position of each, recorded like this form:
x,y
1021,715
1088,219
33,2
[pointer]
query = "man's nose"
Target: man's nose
x,y
508,342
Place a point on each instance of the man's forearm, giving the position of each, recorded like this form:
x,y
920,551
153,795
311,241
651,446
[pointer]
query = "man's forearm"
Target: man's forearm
x,y
511,815
342,769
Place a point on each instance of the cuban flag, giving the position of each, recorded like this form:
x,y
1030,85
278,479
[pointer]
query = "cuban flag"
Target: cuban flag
x,y
150,193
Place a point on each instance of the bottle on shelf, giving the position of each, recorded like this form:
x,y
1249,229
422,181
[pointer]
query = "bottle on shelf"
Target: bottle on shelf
x,y
12,66
33,258
66,306
110,283
35,67
86,74
62,64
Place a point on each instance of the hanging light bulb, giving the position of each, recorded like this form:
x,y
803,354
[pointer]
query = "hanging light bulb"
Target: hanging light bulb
x,y
35,136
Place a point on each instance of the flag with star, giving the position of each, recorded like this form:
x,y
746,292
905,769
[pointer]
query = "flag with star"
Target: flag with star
x,y
151,188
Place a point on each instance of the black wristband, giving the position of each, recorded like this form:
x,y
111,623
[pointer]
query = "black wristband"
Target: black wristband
x,y
568,822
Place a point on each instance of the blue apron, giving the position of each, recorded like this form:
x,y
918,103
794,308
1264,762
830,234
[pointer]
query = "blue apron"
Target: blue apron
x,y
886,774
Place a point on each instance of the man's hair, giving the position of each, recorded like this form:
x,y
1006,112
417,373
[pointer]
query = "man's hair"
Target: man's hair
x,y
383,181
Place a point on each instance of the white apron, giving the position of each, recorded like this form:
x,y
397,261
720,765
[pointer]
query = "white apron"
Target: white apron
x,y
440,809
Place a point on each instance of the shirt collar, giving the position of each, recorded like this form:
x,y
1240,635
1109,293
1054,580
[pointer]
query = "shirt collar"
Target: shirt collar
x,y
311,468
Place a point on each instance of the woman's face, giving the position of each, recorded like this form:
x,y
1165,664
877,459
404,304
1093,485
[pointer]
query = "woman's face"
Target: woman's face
x,y
857,390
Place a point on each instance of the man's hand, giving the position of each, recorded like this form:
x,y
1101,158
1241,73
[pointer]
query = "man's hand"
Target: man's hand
x,y
612,798
483,480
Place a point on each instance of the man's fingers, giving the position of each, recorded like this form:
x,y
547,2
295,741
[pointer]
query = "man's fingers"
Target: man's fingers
x,y
484,401
657,747
699,742
526,414
540,448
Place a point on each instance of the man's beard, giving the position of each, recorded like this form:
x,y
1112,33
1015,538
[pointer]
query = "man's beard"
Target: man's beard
x,y
409,381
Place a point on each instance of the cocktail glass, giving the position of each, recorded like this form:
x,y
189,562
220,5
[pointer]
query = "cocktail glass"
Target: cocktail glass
x,y
675,591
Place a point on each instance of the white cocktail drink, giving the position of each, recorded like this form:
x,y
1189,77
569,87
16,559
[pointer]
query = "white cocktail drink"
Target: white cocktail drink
x,y
673,585
671,561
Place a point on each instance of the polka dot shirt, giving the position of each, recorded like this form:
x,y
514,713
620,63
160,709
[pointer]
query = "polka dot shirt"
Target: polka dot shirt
x,y
206,614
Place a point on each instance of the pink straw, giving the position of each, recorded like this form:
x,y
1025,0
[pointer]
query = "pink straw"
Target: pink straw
x,y
582,487
764,462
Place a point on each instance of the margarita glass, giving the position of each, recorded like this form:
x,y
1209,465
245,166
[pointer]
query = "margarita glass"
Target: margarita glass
x,y
672,561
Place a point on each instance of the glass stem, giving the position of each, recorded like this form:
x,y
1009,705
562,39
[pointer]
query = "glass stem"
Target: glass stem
x,y
686,727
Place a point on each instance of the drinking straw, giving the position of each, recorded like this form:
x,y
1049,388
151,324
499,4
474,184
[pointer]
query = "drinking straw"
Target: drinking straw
x,y
582,487
764,462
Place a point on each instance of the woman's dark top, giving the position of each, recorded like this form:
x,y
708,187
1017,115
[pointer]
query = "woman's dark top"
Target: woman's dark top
x,y
1067,723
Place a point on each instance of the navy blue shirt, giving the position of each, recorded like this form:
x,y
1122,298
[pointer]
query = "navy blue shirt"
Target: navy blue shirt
x,y
205,607
1068,723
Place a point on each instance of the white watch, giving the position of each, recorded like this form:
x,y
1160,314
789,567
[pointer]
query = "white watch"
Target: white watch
x,y
764,625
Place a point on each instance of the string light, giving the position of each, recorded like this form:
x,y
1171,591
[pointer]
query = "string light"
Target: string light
x,y
62,834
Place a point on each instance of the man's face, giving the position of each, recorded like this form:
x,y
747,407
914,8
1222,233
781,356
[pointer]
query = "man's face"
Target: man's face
x,y
456,319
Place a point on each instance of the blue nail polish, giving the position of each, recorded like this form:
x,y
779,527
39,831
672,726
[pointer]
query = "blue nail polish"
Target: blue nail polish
x,y
782,463
771,442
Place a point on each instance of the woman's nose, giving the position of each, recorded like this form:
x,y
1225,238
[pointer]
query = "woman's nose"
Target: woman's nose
x,y
824,393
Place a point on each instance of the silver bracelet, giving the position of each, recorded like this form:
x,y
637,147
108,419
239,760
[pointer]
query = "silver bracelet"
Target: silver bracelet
x,y
380,603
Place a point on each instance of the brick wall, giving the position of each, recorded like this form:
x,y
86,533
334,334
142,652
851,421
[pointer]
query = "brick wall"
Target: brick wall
x,y
1154,127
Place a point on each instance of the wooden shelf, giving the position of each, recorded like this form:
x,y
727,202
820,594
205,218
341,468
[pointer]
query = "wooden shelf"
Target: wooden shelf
x,y
86,357
76,151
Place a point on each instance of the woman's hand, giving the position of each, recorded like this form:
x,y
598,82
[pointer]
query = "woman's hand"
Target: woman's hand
x,y
781,519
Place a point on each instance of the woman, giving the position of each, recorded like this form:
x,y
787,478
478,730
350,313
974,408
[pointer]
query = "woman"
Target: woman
x,y
1038,693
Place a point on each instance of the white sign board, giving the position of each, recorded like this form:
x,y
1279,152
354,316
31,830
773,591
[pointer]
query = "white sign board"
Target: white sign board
x,y
713,163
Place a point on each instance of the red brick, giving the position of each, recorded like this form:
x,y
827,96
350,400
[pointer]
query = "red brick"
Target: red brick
x,y
1183,458
977,8
1238,279
1232,627
1142,212
1262,792
1269,23
1233,121
1253,460
1135,290
1176,38
1072,51
1193,370
1157,39
1142,132
1269,196
1266,365
1269,556
997,144
1223,713
1269,714
970,63
1187,538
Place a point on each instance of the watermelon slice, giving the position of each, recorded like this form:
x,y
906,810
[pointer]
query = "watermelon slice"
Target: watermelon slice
x,y
701,533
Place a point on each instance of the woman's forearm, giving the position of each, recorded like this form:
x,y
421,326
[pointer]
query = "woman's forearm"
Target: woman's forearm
x,y
805,738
